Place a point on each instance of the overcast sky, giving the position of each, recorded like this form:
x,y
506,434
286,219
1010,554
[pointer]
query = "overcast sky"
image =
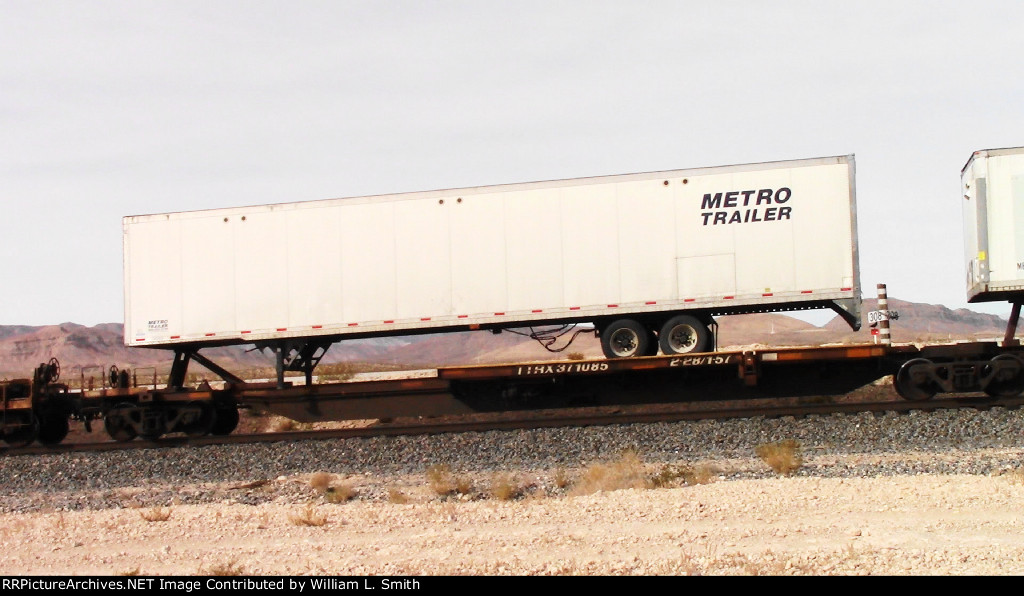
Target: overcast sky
x,y
112,108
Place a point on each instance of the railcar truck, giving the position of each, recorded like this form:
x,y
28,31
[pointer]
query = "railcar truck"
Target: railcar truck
x,y
648,259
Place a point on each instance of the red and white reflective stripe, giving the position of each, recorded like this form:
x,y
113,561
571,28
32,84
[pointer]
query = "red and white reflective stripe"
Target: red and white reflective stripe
x,y
532,311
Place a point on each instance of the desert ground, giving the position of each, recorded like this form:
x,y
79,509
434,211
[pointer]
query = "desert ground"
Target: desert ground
x,y
919,524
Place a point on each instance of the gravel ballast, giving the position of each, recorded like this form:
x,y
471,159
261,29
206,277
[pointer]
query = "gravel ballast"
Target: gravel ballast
x,y
920,493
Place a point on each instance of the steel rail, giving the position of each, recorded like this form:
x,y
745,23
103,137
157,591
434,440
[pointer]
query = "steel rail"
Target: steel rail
x,y
577,417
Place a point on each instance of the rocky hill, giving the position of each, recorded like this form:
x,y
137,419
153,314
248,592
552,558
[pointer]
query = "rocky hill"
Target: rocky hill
x,y
23,347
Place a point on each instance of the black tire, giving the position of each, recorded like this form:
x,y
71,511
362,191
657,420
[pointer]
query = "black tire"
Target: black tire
x,y
684,334
652,349
625,338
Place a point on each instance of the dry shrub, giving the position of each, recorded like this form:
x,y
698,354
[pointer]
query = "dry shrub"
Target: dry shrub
x,y
562,479
339,493
1016,475
505,488
700,474
156,514
308,517
626,472
320,481
334,493
229,568
334,373
398,497
671,475
783,456
439,478
443,483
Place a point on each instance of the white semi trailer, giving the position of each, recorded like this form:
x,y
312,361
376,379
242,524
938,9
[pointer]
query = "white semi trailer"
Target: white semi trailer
x,y
649,259
992,182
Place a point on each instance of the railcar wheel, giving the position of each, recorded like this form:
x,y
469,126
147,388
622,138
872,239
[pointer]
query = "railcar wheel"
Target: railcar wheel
x,y
913,380
625,338
203,423
155,428
225,420
23,435
683,334
1009,381
53,427
117,422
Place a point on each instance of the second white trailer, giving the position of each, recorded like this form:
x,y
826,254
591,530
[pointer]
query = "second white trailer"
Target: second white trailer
x,y
993,190
648,258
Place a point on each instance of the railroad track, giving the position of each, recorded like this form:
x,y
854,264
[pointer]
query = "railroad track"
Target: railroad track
x,y
600,416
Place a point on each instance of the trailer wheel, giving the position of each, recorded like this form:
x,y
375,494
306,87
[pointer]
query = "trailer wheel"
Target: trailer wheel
x,y
625,338
683,334
652,339
913,380
117,422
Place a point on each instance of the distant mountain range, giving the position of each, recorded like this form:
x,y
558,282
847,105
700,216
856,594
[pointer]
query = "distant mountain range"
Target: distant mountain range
x,y
24,347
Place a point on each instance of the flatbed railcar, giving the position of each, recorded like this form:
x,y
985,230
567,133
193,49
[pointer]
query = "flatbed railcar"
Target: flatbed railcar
x,y
132,409
39,408
984,367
